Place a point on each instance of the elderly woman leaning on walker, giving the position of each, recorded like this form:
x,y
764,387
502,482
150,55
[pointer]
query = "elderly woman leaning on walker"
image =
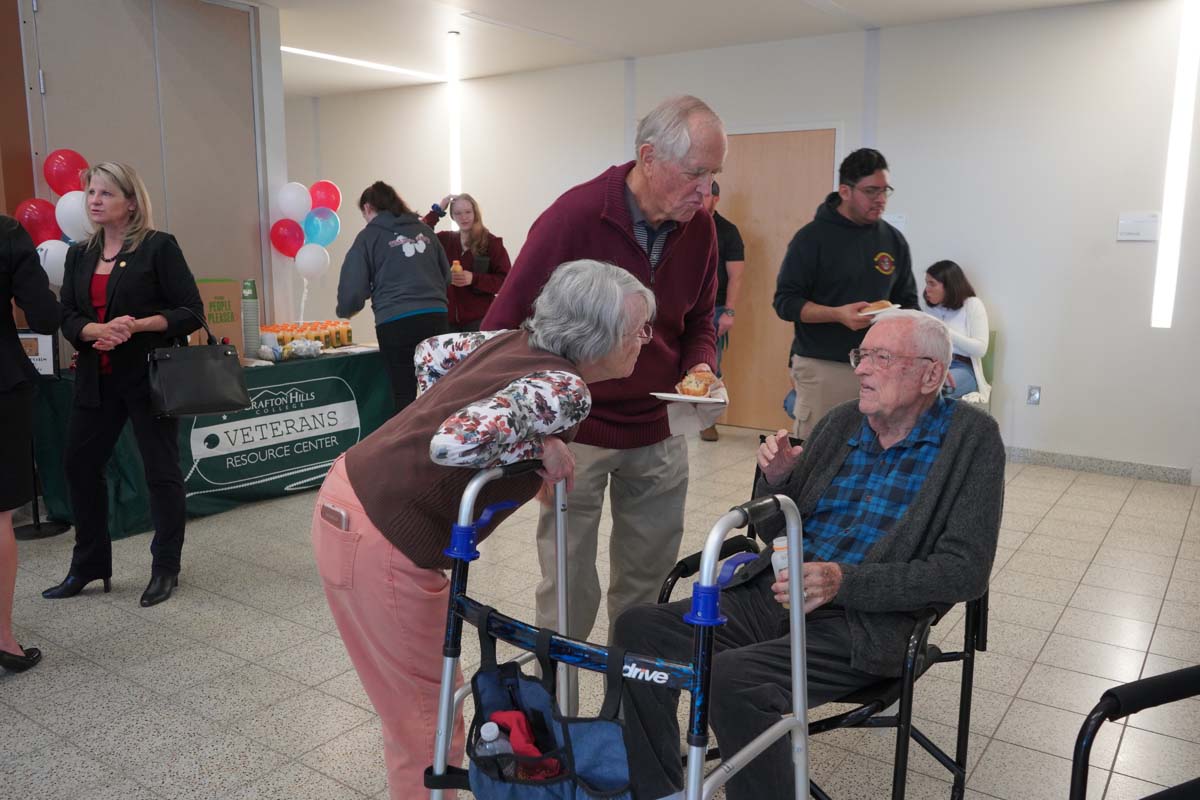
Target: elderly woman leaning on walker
x,y
384,513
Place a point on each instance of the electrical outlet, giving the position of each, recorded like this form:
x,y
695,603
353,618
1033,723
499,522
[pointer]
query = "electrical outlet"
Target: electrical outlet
x,y
1033,395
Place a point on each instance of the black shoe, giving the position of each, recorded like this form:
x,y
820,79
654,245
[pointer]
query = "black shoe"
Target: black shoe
x,y
73,585
15,663
159,589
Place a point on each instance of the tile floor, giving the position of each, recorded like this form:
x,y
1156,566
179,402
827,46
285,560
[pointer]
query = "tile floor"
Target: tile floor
x,y
239,687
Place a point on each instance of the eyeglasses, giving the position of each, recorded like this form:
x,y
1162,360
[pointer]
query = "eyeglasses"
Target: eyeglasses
x,y
645,333
874,191
879,358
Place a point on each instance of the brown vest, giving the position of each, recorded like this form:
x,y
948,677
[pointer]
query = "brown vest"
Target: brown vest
x,y
408,497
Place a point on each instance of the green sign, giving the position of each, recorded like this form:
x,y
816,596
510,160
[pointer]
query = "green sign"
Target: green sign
x,y
303,415
290,435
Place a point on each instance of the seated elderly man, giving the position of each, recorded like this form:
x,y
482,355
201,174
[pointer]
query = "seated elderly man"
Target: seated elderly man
x,y
900,493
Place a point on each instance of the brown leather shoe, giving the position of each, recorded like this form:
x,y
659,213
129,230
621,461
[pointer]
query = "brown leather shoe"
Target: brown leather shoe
x,y
709,434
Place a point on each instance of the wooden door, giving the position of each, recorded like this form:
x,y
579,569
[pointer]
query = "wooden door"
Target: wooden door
x,y
770,188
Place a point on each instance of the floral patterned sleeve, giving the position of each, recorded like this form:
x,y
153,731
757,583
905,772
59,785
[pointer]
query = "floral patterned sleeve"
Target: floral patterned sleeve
x,y
511,425
437,355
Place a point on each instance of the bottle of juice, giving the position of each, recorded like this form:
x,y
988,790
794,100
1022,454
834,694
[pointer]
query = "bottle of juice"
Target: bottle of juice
x,y
347,332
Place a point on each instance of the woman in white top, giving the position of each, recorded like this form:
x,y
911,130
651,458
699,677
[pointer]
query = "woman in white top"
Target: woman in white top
x,y
950,297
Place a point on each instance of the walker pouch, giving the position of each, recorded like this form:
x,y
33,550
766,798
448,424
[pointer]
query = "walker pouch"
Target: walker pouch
x,y
576,758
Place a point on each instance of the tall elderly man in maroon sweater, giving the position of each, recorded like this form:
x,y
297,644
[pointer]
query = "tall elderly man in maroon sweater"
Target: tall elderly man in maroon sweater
x,y
645,216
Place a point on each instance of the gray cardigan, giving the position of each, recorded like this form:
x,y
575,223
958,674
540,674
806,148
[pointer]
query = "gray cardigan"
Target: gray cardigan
x,y
938,554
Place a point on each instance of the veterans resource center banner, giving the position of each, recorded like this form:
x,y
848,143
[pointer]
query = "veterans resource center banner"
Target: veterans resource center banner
x,y
303,415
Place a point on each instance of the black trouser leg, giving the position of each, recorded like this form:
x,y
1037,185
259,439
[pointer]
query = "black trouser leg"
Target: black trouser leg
x,y
750,690
398,341
158,443
92,434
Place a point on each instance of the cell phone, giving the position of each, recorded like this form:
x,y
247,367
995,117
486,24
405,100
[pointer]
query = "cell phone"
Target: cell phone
x,y
335,516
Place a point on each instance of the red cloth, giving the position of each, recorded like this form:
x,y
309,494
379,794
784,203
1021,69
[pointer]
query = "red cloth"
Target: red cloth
x,y
98,296
592,220
469,303
520,736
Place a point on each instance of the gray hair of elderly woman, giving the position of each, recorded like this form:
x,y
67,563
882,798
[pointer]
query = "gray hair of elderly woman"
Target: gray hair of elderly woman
x,y
668,126
929,336
580,313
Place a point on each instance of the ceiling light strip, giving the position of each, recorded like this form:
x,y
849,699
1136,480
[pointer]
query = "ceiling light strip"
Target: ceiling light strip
x,y
358,62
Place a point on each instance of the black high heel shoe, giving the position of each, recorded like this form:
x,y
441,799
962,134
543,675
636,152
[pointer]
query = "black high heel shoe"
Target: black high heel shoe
x,y
159,589
73,585
15,663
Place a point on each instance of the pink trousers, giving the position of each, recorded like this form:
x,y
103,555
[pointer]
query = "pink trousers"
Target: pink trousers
x,y
391,615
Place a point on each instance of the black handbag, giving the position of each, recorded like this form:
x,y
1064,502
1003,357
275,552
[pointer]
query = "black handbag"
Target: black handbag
x,y
201,379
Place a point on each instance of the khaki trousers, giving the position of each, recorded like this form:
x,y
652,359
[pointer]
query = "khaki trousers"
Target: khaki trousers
x,y
820,385
648,489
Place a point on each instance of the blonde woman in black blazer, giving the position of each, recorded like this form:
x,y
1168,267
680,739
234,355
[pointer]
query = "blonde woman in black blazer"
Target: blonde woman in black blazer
x,y
22,279
124,294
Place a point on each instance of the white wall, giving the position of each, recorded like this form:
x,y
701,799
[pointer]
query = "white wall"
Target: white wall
x,y
527,138
1015,141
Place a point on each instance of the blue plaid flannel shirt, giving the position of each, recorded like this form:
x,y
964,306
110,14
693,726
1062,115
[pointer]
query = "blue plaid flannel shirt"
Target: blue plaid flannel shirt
x,y
872,490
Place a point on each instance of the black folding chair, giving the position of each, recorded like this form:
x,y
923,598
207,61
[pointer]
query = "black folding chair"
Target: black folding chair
x,y
1130,698
872,703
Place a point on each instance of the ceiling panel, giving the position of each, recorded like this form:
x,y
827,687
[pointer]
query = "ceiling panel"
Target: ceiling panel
x,y
504,36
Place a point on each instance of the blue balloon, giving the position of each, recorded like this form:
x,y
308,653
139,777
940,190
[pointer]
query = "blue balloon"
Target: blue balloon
x,y
321,226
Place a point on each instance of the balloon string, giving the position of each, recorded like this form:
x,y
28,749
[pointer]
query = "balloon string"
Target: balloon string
x,y
303,299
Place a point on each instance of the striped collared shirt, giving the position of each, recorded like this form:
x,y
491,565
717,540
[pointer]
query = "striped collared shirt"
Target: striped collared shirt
x,y
649,238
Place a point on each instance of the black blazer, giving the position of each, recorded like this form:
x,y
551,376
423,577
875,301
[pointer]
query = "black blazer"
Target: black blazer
x,y
23,279
153,279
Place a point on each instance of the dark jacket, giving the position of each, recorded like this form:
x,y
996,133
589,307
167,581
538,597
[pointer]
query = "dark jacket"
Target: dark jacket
x,y
397,262
592,220
22,279
938,554
832,261
154,279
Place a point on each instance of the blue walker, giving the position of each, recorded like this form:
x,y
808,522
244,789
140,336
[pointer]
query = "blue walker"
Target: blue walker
x,y
569,654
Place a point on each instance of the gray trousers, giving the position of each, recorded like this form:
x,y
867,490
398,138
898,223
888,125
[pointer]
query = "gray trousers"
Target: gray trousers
x,y
750,690
648,486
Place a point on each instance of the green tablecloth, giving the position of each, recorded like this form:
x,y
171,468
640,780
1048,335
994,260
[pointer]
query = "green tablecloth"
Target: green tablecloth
x,y
304,414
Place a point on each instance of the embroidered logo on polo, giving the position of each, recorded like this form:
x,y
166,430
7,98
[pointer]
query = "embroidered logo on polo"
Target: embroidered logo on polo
x,y
410,246
885,263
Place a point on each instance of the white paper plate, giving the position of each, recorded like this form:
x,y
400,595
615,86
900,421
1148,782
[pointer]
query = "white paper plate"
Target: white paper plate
x,y
671,397
892,307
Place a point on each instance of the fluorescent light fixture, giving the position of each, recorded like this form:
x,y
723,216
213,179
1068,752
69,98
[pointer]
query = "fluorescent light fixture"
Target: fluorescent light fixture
x,y
358,62
454,100
1179,143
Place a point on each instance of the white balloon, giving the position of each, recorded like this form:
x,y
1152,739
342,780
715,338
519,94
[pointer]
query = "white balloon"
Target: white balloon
x,y
312,261
72,216
295,201
53,255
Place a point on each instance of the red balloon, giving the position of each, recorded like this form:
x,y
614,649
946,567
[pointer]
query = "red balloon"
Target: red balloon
x,y
62,168
287,236
37,217
325,194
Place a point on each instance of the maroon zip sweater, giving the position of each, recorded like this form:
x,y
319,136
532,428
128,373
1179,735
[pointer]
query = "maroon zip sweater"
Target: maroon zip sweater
x,y
592,220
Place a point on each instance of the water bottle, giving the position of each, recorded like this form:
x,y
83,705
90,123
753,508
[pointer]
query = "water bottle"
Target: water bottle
x,y
779,558
492,742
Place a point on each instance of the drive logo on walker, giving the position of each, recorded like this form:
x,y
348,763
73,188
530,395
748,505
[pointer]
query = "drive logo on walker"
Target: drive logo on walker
x,y
292,432
634,671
